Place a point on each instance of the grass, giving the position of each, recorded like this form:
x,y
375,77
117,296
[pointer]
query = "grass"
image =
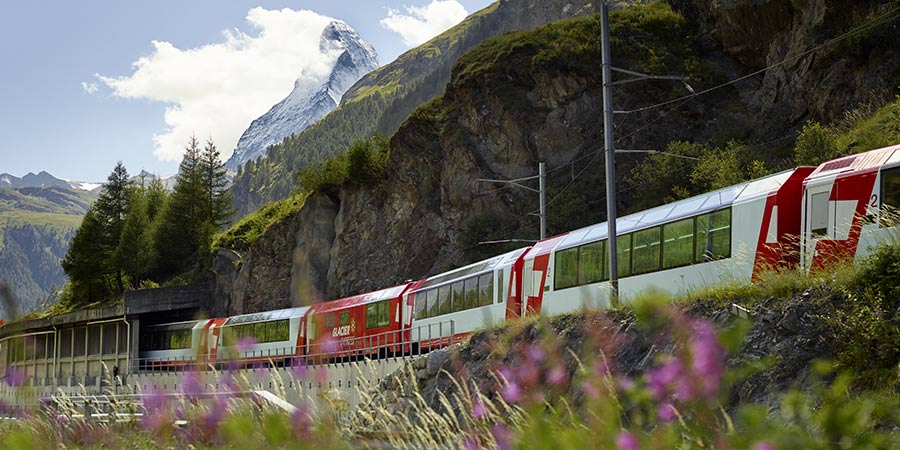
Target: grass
x,y
242,235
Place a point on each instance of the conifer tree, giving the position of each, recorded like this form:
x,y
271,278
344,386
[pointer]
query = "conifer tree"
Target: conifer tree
x,y
134,254
215,183
111,209
179,229
84,263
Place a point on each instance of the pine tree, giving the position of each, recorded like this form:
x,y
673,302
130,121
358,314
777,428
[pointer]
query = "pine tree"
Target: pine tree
x,y
84,263
134,254
111,209
179,229
215,184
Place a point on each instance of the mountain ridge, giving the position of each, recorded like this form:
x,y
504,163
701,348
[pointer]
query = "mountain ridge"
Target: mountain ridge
x,y
308,103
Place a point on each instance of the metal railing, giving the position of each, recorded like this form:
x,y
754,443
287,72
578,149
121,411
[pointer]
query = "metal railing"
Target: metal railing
x,y
394,343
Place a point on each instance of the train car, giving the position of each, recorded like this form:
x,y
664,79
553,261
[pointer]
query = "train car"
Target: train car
x,y
449,306
266,337
731,234
850,206
362,325
171,344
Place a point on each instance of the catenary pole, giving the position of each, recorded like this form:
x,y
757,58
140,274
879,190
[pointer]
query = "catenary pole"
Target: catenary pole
x,y
610,156
543,176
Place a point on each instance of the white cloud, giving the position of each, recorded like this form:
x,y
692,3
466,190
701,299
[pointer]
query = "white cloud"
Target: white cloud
x,y
218,89
419,24
90,88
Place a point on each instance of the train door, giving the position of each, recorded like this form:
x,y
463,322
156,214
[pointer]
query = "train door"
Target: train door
x,y
819,220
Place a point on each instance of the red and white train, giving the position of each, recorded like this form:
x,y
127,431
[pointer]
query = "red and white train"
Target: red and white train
x,y
808,216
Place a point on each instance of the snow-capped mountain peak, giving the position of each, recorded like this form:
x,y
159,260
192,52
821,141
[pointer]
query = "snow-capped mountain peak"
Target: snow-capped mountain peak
x,y
311,99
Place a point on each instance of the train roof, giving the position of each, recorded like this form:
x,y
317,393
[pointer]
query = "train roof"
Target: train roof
x,y
266,316
487,265
688,207
860,162
361,299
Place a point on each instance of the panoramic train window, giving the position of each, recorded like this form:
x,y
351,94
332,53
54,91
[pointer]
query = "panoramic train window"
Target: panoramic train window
x,y
329,321
590,262
457,302
280,330
890,198
486,289
344,319
378,314
471,293
714,236
566,269
421,299
645,251
678,243
444,299
623,252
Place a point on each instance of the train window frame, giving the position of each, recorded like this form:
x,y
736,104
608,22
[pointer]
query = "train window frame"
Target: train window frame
x,y
596,276
472,293
889,213
646,235
486,289
344,318
458,290
420,299
668,249
330,320
563,277
381,312
708,252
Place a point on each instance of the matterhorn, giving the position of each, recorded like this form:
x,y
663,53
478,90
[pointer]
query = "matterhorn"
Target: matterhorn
x,y
310,100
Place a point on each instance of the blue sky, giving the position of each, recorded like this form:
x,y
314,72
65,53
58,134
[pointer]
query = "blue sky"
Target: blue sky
x,y
58,115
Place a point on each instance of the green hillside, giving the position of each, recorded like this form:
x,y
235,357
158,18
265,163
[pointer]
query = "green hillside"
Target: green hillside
x,y
36,225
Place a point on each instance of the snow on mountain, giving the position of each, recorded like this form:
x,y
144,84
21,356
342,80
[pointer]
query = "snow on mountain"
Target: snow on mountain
x,y
43,180
310,100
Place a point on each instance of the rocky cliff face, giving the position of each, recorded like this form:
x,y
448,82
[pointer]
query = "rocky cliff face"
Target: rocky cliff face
x,y
535,97
310,100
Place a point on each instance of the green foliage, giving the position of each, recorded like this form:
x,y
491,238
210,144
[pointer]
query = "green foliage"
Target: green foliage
x,y
365,162
863,130
815,145
722,167
672,175
869,322
244,234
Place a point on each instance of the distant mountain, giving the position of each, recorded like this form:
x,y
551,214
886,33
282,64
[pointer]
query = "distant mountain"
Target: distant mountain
x,y
43,180
145,177
36,225
384,98
310,100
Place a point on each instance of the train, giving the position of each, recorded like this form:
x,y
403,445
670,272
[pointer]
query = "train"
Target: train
x,y
806,217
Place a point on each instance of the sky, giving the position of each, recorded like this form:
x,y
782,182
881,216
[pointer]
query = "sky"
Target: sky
x,y
88,83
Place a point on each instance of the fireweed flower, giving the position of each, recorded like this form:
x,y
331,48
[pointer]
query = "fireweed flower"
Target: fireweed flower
x,y
470,444
15,377
192,386
301,422
661,379
512,392
557,376
501,435
626,441
246,344
299,370
535,353
478,410
590,390
666,413
763,446
707,358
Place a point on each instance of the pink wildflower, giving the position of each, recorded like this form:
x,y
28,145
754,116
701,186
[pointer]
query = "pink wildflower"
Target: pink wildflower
x,y
666,412
763,446
479,411
626,441
501,435
512,392
557,375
